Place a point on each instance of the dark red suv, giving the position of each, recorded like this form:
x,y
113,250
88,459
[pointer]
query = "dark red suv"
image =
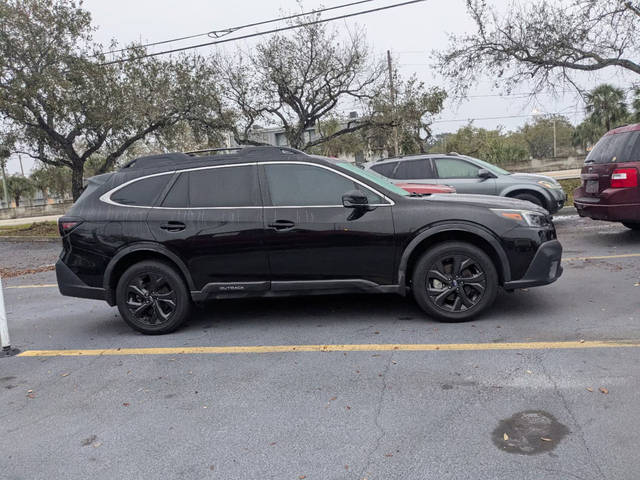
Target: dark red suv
x,y
610,189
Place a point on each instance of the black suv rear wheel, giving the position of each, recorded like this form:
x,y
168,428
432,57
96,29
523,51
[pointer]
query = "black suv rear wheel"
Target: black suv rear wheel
x,y
153,298
454,281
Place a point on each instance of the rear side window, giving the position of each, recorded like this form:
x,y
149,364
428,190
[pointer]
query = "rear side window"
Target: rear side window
x,y
141,193
455,168
414,169
215,187
385,169
617,148
308,185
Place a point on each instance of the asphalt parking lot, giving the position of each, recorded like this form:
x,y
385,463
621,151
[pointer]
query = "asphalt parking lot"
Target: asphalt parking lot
x,y
544,386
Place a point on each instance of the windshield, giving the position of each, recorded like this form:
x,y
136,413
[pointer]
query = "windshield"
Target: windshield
x,y
491,168
374,177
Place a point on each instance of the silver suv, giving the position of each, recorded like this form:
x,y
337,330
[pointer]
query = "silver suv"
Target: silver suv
x,y
471,175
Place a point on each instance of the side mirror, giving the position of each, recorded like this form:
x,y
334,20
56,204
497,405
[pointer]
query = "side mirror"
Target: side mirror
x,y
355,199
484,174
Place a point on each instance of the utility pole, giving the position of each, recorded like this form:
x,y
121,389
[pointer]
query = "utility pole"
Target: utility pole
x,y
393,104
4,183
555,147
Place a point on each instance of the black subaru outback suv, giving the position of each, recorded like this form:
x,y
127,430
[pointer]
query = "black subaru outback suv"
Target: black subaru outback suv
x,y
169,230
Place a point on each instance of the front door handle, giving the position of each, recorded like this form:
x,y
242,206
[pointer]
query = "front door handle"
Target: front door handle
x,y
173,226
282,225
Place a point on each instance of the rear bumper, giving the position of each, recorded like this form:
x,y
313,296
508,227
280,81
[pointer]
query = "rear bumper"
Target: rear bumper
x,y
592,208
71,286
545,268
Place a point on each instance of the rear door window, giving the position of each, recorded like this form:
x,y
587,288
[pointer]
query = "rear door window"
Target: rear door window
x,y
414,169
178,196
617,148
141,193
235,186
385,169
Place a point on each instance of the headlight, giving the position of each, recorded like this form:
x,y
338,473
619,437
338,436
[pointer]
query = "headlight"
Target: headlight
x,y
523,217
546,184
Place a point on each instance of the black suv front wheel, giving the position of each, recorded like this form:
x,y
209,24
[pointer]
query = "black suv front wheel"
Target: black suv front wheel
x,y
454,281
152,298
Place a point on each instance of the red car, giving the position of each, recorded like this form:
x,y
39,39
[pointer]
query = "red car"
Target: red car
x,y
610,189
423,188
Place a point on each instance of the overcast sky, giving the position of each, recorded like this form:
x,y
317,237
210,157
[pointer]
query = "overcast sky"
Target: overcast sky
x,y
410,32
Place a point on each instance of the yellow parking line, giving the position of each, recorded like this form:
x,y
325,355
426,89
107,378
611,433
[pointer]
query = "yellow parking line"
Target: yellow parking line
x,y
603,257
418,347
43,285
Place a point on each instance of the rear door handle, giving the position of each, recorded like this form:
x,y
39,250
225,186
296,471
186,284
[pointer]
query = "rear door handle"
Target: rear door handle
x,y
282,225
173,226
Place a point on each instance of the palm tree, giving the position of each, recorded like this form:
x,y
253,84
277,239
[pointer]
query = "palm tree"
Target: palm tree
x,y
606,106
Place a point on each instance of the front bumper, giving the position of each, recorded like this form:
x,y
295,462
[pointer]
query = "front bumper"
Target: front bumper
x,y
71,286
545,268
558,199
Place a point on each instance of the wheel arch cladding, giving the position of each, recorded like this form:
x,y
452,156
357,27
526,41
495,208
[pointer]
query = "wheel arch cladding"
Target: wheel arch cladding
x,y
134,254
472,235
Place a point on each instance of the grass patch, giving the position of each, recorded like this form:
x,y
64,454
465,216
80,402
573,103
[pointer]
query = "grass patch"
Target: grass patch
x,y
569,185
38,229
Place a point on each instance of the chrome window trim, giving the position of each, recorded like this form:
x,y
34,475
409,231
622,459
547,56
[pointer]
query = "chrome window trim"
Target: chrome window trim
x,y
106,197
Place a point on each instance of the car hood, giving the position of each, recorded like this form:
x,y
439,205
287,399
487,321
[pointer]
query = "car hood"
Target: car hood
x,y
532,177
487,201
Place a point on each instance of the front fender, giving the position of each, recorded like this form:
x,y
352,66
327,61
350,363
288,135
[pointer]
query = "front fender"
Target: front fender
x,y
467,227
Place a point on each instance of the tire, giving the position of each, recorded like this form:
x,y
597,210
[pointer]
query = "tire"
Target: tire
x,y
432,278
153,298
632,226
530,197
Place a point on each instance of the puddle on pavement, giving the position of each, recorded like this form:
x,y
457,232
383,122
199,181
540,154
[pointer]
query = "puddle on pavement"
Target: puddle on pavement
x,y
529,433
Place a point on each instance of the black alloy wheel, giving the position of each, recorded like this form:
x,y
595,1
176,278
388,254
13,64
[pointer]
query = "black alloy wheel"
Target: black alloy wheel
x,y
150,298
454,281
153,298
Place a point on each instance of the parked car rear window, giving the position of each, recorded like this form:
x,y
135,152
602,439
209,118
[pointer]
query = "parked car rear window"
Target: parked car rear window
x,y
414,169
385,169
307,185
141,193
617,148
215,187
454,168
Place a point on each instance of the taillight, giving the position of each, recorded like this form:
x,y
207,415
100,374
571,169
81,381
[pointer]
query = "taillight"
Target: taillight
x,y
624,177
67,224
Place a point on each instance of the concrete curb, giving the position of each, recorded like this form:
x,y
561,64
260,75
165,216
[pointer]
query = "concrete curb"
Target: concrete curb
x,y
26,238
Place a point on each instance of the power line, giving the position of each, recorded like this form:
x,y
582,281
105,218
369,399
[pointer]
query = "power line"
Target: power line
x,y
257,34
227,31
495,118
